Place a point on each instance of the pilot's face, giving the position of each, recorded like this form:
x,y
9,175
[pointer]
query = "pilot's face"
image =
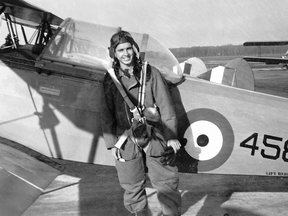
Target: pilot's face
x,y
124,53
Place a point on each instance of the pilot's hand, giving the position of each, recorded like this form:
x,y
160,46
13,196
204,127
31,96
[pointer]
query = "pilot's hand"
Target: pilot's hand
x,y
168,156
115,153
175,144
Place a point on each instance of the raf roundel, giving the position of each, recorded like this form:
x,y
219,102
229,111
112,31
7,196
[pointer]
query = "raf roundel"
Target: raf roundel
x,y
210,138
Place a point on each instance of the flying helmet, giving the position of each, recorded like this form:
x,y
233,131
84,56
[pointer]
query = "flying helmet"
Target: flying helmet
x,y
121,37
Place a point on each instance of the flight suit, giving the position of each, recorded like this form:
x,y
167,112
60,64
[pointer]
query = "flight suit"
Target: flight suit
x,y
116,118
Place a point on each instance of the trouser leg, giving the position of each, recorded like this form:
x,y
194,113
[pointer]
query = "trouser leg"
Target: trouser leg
x,y
131,174
164,179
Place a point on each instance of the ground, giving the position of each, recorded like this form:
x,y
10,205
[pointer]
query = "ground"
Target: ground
x,y
86,190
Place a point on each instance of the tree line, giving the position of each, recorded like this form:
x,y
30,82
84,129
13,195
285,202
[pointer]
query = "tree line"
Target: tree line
x,y
228,50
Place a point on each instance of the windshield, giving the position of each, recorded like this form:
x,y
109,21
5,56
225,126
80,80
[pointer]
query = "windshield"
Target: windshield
x,y
86,44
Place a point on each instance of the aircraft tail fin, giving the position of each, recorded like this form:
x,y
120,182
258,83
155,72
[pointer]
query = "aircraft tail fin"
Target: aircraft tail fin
x,y
193,66
236,73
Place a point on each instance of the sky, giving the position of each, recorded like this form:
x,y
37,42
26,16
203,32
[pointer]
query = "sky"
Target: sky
x,y
182,23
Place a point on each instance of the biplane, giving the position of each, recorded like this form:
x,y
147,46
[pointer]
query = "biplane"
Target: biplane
x,y
282,60
50,98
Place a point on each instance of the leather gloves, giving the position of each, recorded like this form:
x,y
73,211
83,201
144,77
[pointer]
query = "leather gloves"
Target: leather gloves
x,y
168,157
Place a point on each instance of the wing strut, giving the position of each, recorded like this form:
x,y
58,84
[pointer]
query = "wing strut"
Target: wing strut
x,y
14,36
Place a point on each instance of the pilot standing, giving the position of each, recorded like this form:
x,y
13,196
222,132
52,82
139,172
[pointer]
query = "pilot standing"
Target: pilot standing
x,y
132,160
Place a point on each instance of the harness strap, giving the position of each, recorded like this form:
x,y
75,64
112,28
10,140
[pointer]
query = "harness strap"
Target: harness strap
x,y
121,90
133,108
141,97
143,47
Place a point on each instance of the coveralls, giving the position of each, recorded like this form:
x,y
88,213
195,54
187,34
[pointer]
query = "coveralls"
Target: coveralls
x,y
116,118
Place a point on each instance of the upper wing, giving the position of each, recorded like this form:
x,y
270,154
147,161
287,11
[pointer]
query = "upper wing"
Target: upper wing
x,y
24,13
267,60
265,43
